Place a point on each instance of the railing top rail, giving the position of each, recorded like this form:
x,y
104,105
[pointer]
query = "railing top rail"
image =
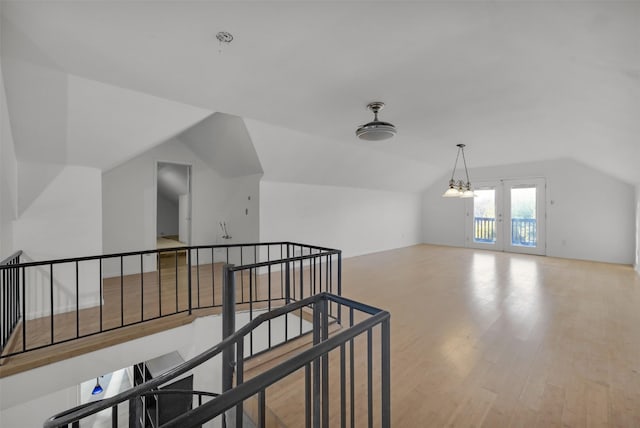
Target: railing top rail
x,y
12,257
160,250
69,416
226,400
315,247
279,261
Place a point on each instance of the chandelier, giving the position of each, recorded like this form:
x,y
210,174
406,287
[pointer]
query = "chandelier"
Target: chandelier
x,y
459,189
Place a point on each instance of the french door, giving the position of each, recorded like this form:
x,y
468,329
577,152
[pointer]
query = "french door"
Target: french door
x,y
507,215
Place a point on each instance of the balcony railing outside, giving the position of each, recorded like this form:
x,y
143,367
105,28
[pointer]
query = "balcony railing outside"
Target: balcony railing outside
x,y
484,229
524,231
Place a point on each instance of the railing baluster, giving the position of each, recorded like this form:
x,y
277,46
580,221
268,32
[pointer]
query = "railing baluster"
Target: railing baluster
x,y
213,276
325,364
114,416
197,275
301,293
5,315
307,396
239,365
141,288
339,285
189,293
101,292
385,368
343,387
24,312
241,278
316,367
250,308
370,377
352,377
176,277
159,262
281,277
261,409
121,291
51,300
228,324
77,301
269,303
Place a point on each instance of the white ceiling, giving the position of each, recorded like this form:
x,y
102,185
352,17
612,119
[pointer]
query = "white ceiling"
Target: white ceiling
x,y
516,81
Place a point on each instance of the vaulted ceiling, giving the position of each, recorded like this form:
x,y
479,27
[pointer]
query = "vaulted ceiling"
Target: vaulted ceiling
x,y
98,82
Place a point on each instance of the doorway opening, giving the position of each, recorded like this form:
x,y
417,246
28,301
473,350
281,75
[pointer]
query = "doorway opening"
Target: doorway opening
x,y
508,215
173,205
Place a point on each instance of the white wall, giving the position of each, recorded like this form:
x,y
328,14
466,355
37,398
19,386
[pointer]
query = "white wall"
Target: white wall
x,y
589,214
65,220
8,178
357,221
129,204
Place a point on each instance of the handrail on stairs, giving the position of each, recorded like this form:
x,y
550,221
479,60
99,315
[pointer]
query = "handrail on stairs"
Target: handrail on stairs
x,y
314,360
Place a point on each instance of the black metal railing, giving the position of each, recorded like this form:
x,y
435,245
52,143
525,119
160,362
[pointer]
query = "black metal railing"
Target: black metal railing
x,y
10,303
311,367
103,293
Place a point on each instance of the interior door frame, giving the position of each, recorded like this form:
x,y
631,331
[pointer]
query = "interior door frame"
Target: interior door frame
x,y
541,206
155,196
498,244
503,216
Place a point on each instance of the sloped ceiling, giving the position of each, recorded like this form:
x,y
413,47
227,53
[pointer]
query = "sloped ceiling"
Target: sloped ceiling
x,y
223,142
515,81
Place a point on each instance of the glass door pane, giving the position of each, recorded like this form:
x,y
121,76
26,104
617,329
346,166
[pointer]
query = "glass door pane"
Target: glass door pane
x,y
484,216
484,220
524,215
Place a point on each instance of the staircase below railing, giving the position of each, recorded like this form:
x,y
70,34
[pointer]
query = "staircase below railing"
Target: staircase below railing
x,y
332,359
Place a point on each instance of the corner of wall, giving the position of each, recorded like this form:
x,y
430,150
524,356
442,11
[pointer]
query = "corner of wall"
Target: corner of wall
x,y
8,177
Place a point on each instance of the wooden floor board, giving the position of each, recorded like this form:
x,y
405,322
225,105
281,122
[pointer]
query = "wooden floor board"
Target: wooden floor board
x,y
491,339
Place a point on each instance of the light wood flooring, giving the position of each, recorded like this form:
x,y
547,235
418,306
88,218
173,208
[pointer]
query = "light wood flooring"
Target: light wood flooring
x,y
505,340
496,340
488,339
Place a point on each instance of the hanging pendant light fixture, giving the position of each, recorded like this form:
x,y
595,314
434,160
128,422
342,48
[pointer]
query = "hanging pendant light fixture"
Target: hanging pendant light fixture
x,y
97,389
459,189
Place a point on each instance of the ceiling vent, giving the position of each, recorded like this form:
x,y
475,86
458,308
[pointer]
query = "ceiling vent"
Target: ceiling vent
x,y
376,130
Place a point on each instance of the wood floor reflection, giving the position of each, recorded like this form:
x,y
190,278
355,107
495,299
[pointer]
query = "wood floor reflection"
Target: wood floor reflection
x,y
495,339
498,340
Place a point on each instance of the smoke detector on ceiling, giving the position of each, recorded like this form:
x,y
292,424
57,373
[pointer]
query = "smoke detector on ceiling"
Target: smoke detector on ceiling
x,y
376,130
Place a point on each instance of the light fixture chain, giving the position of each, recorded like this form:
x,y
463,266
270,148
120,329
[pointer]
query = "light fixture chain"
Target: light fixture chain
x,y
464,160
455,165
